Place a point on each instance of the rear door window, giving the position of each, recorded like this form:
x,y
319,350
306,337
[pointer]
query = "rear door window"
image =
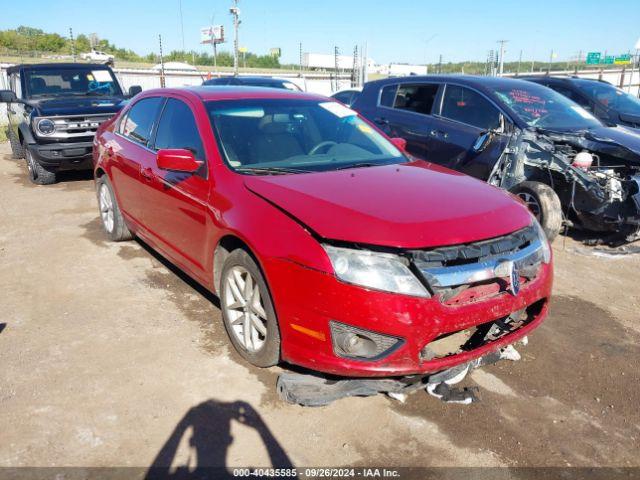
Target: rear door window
x,y
418,98
467,106
573,95
140,119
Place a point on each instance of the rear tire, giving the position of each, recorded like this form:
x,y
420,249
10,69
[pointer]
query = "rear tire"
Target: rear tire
x,y
17,150
247,310
37,173
544,204
110,214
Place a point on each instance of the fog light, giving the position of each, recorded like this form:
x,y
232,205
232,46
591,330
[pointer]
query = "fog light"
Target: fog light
x,y
352,342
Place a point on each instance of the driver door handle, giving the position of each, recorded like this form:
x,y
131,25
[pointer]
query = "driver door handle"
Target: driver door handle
x,y
146,173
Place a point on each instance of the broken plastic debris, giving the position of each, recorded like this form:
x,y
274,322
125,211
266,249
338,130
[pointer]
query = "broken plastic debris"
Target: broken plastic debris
x,y
524,341
401,397
510,353
444,392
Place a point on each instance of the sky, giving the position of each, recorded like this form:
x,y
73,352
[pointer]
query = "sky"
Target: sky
x,y
410,31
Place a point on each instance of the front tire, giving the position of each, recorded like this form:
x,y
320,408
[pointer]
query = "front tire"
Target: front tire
x,y
37,173
110,214
247,311
17,150
545,205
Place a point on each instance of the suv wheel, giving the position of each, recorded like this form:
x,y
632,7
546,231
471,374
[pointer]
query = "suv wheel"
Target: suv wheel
x,y
17,150
247,310
37,173
545,205
110,215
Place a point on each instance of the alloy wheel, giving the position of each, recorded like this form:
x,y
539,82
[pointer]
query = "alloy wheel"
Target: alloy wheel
x,y
244,309
106,208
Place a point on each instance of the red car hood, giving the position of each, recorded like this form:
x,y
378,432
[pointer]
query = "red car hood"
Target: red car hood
x,y
412,205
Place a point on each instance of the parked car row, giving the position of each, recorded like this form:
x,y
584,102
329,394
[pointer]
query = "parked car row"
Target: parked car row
x,y
354,242
568,166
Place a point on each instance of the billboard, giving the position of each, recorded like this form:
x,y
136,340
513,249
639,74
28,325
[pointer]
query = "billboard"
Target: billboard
x,y
212,34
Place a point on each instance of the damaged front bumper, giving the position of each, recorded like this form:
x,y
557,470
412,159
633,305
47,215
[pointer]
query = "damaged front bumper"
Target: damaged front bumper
x,y
313,390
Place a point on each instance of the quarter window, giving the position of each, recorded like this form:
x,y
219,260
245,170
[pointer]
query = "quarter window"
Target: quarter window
x,y
140,120
466,106
388,95
416,98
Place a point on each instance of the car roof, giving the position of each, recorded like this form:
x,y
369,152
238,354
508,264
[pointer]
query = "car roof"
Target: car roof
x,y
469,80
53,65
254,78
562,79
234,92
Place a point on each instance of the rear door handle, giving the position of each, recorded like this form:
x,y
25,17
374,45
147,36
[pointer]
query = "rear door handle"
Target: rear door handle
x,y
381,121
146,173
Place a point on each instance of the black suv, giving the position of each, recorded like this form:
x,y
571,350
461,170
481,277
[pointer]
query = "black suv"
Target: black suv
x,y
54,111
610,104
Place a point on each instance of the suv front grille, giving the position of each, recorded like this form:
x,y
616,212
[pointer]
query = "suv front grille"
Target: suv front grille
x,y
74,126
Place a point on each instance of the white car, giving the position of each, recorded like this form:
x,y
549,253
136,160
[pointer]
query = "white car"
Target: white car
x,y
97,56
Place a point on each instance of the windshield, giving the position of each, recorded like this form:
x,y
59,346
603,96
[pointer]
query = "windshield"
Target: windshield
x,y
49,82
610,96
262,136
541,107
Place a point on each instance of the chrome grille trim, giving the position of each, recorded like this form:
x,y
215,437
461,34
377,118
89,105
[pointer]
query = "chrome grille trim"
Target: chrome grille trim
x,y
73,126
487,269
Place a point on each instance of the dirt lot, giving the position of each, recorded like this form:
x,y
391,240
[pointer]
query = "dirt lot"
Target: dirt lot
x,y
111,357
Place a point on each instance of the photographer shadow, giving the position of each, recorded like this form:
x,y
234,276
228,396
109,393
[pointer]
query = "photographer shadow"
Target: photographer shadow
x,y
207,428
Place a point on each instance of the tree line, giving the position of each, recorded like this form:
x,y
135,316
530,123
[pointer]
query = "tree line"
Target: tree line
x,y
29,40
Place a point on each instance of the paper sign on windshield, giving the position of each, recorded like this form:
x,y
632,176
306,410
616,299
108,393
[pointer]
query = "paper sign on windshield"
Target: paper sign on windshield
x,y
337,109
102,75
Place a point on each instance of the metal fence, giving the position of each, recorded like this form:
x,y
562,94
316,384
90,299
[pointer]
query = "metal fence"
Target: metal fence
x,y
320,83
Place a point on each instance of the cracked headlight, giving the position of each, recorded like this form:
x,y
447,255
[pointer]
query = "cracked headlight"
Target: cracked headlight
x,y
546,248
380,271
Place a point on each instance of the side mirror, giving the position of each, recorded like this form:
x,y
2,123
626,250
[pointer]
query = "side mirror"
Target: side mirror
x,y
7,96
482,142
400,143
177,160
134,90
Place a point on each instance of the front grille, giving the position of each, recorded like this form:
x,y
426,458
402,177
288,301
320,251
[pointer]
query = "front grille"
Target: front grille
x,y
475,271
74,126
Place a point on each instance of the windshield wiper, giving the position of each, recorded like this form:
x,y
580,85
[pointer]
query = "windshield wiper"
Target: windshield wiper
x,y
271,170
359,165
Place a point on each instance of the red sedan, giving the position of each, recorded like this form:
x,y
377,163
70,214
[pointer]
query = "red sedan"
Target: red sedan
x,y
327,246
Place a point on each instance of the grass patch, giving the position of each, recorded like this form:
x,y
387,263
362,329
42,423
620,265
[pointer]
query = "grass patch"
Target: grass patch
x,y
3,133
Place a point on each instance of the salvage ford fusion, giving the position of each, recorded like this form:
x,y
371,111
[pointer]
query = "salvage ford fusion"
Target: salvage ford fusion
x,y
327,246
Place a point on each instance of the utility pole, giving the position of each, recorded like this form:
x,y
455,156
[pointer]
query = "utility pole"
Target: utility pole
x,y
181,23
300,57
336,52
73,45
440,64
519,62
501,68
235,12
550,61
162,81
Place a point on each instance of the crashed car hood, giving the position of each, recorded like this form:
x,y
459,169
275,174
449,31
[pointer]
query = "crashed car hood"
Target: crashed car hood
x,y
413,205
622,142
76,105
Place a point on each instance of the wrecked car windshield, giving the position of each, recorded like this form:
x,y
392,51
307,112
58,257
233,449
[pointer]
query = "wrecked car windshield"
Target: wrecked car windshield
x,y
49,82
271,136
610,96
543,108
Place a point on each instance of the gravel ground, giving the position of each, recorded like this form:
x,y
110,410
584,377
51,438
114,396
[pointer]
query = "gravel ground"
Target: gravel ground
x,y
111,357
